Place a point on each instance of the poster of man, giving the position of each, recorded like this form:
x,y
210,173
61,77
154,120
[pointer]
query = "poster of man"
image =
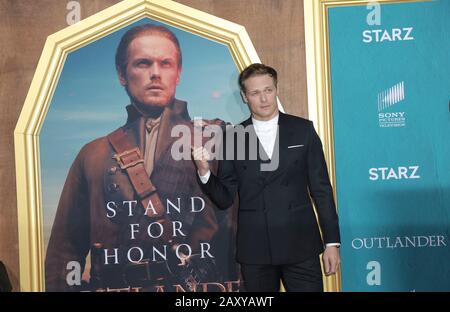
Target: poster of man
x,y
130,217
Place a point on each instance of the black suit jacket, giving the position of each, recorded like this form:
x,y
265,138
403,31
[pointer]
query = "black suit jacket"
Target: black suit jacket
x,y
276,220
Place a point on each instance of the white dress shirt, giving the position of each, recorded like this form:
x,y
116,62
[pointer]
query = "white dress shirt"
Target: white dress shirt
x,y
267,133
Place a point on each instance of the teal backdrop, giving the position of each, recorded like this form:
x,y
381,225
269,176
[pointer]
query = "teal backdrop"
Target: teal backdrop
x,y
391,119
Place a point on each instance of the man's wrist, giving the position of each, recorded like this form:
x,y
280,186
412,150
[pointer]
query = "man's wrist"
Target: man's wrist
x,y
204,177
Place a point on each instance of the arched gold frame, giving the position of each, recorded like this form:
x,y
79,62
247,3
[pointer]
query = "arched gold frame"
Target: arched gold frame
x,y
45,80
319,83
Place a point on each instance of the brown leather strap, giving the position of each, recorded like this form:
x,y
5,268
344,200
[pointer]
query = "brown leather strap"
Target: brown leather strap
x,y
129,158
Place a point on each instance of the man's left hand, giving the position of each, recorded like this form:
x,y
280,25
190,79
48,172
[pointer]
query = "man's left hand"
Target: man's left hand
x,y
331,260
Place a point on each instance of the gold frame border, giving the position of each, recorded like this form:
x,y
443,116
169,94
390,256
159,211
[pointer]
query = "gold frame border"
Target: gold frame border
x,y
319,83
51,63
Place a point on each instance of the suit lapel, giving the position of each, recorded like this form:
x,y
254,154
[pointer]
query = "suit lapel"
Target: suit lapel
x,y
285,135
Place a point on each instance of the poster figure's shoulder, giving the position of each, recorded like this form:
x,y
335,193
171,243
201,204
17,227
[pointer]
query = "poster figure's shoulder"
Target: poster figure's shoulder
x,y
95,153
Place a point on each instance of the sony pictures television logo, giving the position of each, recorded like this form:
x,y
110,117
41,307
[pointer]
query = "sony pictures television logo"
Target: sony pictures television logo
x,y
388,115
387,101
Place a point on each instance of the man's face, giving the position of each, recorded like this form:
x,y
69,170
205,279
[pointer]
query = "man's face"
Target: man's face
x,y
152,71
261,96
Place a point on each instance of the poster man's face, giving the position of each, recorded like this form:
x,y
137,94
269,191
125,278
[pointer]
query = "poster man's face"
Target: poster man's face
x,y
152,71
261,96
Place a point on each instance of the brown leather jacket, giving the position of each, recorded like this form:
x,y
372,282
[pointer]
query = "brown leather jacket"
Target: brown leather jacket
x,y
83,220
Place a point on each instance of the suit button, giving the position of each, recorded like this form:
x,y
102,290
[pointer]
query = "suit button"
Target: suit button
x,y
113,187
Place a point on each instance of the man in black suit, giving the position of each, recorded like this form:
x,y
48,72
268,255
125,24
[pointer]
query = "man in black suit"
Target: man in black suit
x,y
278,235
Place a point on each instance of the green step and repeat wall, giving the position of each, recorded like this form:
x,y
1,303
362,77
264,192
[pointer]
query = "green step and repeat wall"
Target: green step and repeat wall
x,y
390,77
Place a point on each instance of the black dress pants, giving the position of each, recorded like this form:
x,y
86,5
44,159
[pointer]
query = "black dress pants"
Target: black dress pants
x,y
305,276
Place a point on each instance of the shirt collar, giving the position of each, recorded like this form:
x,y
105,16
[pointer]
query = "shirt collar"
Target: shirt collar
x,y
265,124
151,123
